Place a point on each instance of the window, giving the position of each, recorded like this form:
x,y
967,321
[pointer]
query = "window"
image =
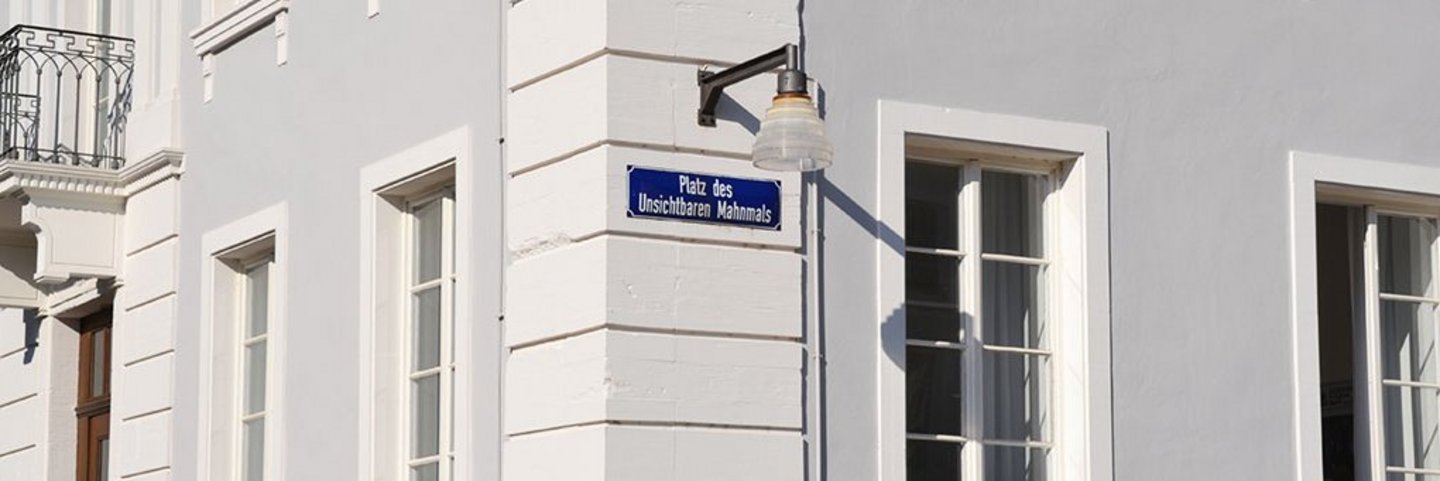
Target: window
x,y
993,279
430,293
418,354
242,349
253,313
977,347
1377,266
93,406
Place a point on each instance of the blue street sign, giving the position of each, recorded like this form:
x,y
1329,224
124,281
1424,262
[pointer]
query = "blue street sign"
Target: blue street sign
x,y
662,194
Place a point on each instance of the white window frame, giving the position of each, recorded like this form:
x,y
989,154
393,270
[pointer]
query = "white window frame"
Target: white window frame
x,y
226,251
1386,187
384,188
243,341
1079,273
445,456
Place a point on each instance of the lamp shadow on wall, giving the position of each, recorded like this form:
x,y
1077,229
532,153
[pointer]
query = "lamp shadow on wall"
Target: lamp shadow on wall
x,y
729,109
32,334
892,327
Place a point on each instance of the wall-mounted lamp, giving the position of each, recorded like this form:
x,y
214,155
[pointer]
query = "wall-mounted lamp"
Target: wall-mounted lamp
x,y
792,136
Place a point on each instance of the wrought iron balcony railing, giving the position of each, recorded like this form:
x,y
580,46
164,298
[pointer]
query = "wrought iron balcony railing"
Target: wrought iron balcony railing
x,y
64,96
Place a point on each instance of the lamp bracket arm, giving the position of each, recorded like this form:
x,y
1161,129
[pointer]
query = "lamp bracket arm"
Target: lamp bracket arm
x,y
712,84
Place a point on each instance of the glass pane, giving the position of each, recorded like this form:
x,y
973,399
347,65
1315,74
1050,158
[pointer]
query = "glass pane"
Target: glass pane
x,y
105,459
428,219
932,461
931,205
1407,341
254,446
1012,305
427,329
932,391
1411,431
1015,464
255,378
97,362
428,472
1016,396
426,429
932,324
1406,264
1010,214
932,278
257,291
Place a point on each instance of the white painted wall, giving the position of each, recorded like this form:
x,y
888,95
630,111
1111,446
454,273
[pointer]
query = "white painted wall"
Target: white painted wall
x,y
356,90
1203,102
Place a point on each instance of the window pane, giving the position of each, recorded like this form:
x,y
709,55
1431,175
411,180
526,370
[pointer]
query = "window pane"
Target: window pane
x,y
97,362
1012,305
1016,396
1411,430
427,329
1010,214
254,446
255,378
932,324
426,429
428,219
932,461
932,391
1014,464
932,278
428,472
1407,341
931,205
105,459
1406,264
257,291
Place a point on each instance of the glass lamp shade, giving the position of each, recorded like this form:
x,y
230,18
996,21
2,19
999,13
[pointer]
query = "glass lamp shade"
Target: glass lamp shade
x,y
792,137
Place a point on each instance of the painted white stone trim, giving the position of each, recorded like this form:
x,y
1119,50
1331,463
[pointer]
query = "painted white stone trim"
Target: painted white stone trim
x,y
550,36
615,99
448,150
1307,170
1082,397
607,452
618,376
228,28
216,430
654,284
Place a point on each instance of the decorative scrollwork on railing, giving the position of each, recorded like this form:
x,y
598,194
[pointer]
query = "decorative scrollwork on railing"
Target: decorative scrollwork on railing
x,y
64,96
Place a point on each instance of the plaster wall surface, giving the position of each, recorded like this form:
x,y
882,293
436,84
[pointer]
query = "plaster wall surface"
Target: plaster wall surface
x,y
1203,102
356,89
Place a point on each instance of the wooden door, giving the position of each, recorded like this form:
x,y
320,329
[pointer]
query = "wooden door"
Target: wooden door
x,y
92,409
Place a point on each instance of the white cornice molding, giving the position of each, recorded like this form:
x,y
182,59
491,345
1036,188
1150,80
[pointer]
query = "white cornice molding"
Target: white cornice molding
x,y
234,25
18,176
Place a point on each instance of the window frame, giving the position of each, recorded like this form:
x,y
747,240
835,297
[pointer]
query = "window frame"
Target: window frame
x,y
227,251
383,186
1377,188
971,258
92,411
445,369
243,341
1081,397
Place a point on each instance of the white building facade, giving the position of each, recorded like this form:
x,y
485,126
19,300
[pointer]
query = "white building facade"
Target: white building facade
x,y
380,240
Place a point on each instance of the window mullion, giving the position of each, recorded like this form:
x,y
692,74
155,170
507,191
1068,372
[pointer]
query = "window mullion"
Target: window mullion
x,y
1372,345
973,383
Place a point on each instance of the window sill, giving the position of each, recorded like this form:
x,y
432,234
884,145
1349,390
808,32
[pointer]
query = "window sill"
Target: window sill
x,y
226,29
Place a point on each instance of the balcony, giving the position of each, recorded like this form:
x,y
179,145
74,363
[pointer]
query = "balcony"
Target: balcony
x,y
64,97
65,183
